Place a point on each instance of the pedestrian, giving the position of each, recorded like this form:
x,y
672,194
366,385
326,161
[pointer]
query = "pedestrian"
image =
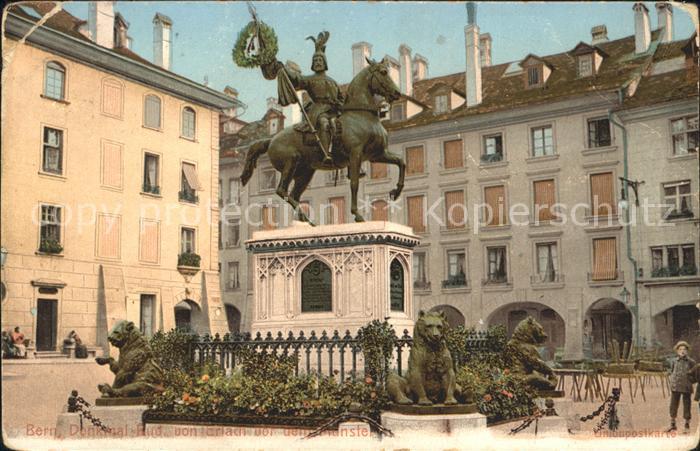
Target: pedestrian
x,y
681,384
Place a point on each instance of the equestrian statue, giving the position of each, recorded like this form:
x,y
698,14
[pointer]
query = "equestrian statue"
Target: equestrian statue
x,y
338,132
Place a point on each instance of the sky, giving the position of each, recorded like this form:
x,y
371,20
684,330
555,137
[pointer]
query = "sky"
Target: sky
x,y
204,34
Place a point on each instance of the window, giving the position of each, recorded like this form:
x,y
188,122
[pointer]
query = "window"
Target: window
x,y
455,209
684,132
493,148
50,229
603,194
456,269
189,183
233,282
441,103
542,143
378,170
678,199
52,154
146,314
398,112
151,169
673,261
380,210
547,262
269,217
585,65
604,259
234,191
495,208
221,243
415,208
268,179
452,154
55,81
544,199
112,98
336,210
420,273
415,160
533,76
599,133
305,207
497,266
234,232
189,121
187,243
273,125
151,116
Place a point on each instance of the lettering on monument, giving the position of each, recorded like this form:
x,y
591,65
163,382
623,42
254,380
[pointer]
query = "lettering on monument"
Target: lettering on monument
x,y
316,288
396,286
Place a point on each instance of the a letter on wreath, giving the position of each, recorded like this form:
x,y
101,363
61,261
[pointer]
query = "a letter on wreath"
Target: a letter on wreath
x,y
316,288
396,286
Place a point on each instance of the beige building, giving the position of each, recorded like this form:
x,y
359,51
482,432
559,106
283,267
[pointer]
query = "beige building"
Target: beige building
x,y
109,181
536,137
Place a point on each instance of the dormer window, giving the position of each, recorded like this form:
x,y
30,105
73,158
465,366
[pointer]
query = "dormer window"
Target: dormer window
x,y
442,104
533,76
398,111
273,124
585,65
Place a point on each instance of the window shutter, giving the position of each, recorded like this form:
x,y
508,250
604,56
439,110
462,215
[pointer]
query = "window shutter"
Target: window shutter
x,y
269,217
414,160
453,154
494,197
415,213
112,164
602,194
112,98
604,259
152,111
108,236
337,212
544,199
380,211
454,209
378,170
149,241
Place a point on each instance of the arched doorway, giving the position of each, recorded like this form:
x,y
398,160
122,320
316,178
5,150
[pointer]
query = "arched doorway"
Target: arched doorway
x,y
607,320
679,322
233,318
454,316
187,314
553,324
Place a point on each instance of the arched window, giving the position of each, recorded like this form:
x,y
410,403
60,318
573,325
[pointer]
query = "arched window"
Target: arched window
x,y
189,121
379,210
55,81
396,286
316,288
233,318
151,116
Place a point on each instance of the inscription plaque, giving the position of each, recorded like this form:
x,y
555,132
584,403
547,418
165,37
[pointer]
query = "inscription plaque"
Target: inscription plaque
x,y
316,288
396,286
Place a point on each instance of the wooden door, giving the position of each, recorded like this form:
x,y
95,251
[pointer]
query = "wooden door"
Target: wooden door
x,y
46,325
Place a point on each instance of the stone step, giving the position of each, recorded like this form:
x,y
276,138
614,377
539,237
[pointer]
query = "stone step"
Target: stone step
x,y
50,355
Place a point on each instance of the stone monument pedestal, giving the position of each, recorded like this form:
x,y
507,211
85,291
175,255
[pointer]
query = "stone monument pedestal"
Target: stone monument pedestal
x,y
564,408
402,424
123,420
332,277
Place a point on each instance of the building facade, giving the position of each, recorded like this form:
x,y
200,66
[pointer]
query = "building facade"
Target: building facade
x,y
109,181
514,186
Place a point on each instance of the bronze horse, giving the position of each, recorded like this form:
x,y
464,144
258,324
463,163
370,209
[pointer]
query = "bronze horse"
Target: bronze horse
x,y
363,138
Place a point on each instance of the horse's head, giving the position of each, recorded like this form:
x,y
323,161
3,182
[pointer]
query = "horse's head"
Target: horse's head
x,y
380,83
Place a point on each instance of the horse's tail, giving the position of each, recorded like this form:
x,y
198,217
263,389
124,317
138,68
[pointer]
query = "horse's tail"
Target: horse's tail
x,y
251,160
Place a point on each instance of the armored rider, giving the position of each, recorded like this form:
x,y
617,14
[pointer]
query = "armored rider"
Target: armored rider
x,y
326,98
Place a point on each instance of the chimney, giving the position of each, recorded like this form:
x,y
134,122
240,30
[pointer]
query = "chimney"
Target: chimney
x,y
394,69
485,49
233,93
642,30
664,11
121,27
101,23
405,70
360,51
420,67
162,48
599,34
473,74
273,105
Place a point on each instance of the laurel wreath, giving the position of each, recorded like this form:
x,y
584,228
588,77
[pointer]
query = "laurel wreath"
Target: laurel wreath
x,y
268,39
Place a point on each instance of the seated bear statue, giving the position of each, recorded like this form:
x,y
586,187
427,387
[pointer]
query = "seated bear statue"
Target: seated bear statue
x,y
524,359
430,377
136,373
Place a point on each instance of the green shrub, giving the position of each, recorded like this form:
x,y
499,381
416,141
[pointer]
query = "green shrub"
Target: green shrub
x,y
378,341
171,350
189,259
50,246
